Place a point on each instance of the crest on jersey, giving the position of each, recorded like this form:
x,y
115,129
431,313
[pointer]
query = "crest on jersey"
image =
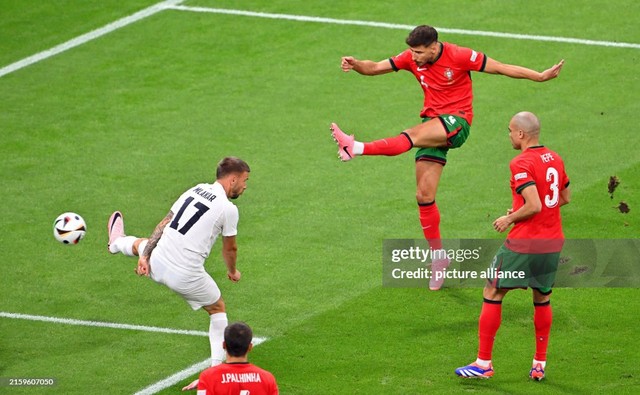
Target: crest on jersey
x,y
449,74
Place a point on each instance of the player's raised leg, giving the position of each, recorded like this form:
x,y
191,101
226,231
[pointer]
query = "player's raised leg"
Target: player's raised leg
x,y
345,143
427,134
118,240
115,229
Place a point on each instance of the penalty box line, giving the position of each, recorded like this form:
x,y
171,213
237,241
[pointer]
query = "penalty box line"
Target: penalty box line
x,y
92,35
176,5
303,18
153,388
112,325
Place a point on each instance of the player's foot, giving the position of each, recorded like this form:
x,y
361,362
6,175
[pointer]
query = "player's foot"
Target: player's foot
x,y
345,143
537,372
115,227
438,266
475,371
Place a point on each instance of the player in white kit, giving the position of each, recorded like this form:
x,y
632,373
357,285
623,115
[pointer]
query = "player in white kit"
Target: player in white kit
x,y
175,253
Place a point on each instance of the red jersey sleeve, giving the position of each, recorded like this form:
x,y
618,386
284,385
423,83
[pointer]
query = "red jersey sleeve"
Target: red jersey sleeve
x,y
467,58
402,61
521,174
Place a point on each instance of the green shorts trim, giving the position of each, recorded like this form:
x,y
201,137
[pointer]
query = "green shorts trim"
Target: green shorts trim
x,y
457,133
511,269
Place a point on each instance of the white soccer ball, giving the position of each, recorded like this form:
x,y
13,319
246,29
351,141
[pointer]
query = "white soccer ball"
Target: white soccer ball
x,y
69,228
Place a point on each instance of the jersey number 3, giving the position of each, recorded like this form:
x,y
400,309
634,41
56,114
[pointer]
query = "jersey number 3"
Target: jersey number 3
x,y
198,214
552,178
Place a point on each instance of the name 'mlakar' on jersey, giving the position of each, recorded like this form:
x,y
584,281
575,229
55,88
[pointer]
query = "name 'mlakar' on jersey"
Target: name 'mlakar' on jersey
x,y
205,194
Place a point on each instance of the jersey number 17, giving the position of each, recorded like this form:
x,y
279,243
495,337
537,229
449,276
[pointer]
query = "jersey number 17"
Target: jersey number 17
x,y
194,218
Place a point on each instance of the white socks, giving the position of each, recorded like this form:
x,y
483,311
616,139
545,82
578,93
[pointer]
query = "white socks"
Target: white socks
x,y
123,245
483,364
542,363
358,148
216,337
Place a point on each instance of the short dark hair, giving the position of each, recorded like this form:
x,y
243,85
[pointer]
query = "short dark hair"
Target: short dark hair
x,y
422,35
237,338
231,165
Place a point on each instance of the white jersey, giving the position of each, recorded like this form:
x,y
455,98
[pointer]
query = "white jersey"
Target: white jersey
x,y
200,215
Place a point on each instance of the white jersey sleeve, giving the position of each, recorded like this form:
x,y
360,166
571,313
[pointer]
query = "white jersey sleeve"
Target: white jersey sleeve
x,y
230,225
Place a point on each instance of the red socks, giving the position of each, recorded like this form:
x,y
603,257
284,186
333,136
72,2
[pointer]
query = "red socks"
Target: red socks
x,y
488,325
542,318
390,146
430,221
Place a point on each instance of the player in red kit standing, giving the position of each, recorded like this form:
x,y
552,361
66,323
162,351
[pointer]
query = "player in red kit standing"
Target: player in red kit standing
x,y
539,186
444,73
237,376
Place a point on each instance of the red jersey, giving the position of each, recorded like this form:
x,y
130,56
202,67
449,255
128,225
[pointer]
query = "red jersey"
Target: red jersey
x,y
236,379
543,168
447,82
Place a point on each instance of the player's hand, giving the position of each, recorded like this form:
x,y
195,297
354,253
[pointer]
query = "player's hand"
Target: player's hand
x,y
501,224
552,72
347,63
235,276
193,385
143,267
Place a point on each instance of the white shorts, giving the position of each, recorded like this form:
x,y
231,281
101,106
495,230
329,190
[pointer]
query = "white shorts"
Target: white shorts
x,y
198,289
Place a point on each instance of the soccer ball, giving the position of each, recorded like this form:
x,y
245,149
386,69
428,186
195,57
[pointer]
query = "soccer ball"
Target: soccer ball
x,y
69,228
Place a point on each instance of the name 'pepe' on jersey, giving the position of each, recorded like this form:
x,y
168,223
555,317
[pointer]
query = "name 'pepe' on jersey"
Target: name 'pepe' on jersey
x,y
543,168
447,81
201,214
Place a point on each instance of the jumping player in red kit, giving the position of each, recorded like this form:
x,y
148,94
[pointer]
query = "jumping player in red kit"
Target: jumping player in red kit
x,y
444,73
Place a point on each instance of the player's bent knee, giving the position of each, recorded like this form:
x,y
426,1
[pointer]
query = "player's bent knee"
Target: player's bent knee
x,y
494,294
425,198
541,296
217,307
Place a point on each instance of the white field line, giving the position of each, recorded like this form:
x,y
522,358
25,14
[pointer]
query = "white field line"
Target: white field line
x,y
175,378
70,321
113,325
156,387
88,36
302,18
175,5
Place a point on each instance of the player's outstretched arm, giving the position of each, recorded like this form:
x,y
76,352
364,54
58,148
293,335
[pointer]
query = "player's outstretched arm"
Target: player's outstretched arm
x,y
513,71
365,67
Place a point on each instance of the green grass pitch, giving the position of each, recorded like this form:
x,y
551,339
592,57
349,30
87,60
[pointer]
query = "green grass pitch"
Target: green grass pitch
x,y
131,119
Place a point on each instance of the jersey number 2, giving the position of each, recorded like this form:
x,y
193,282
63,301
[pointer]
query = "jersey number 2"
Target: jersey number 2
x,y
198,214
552,177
